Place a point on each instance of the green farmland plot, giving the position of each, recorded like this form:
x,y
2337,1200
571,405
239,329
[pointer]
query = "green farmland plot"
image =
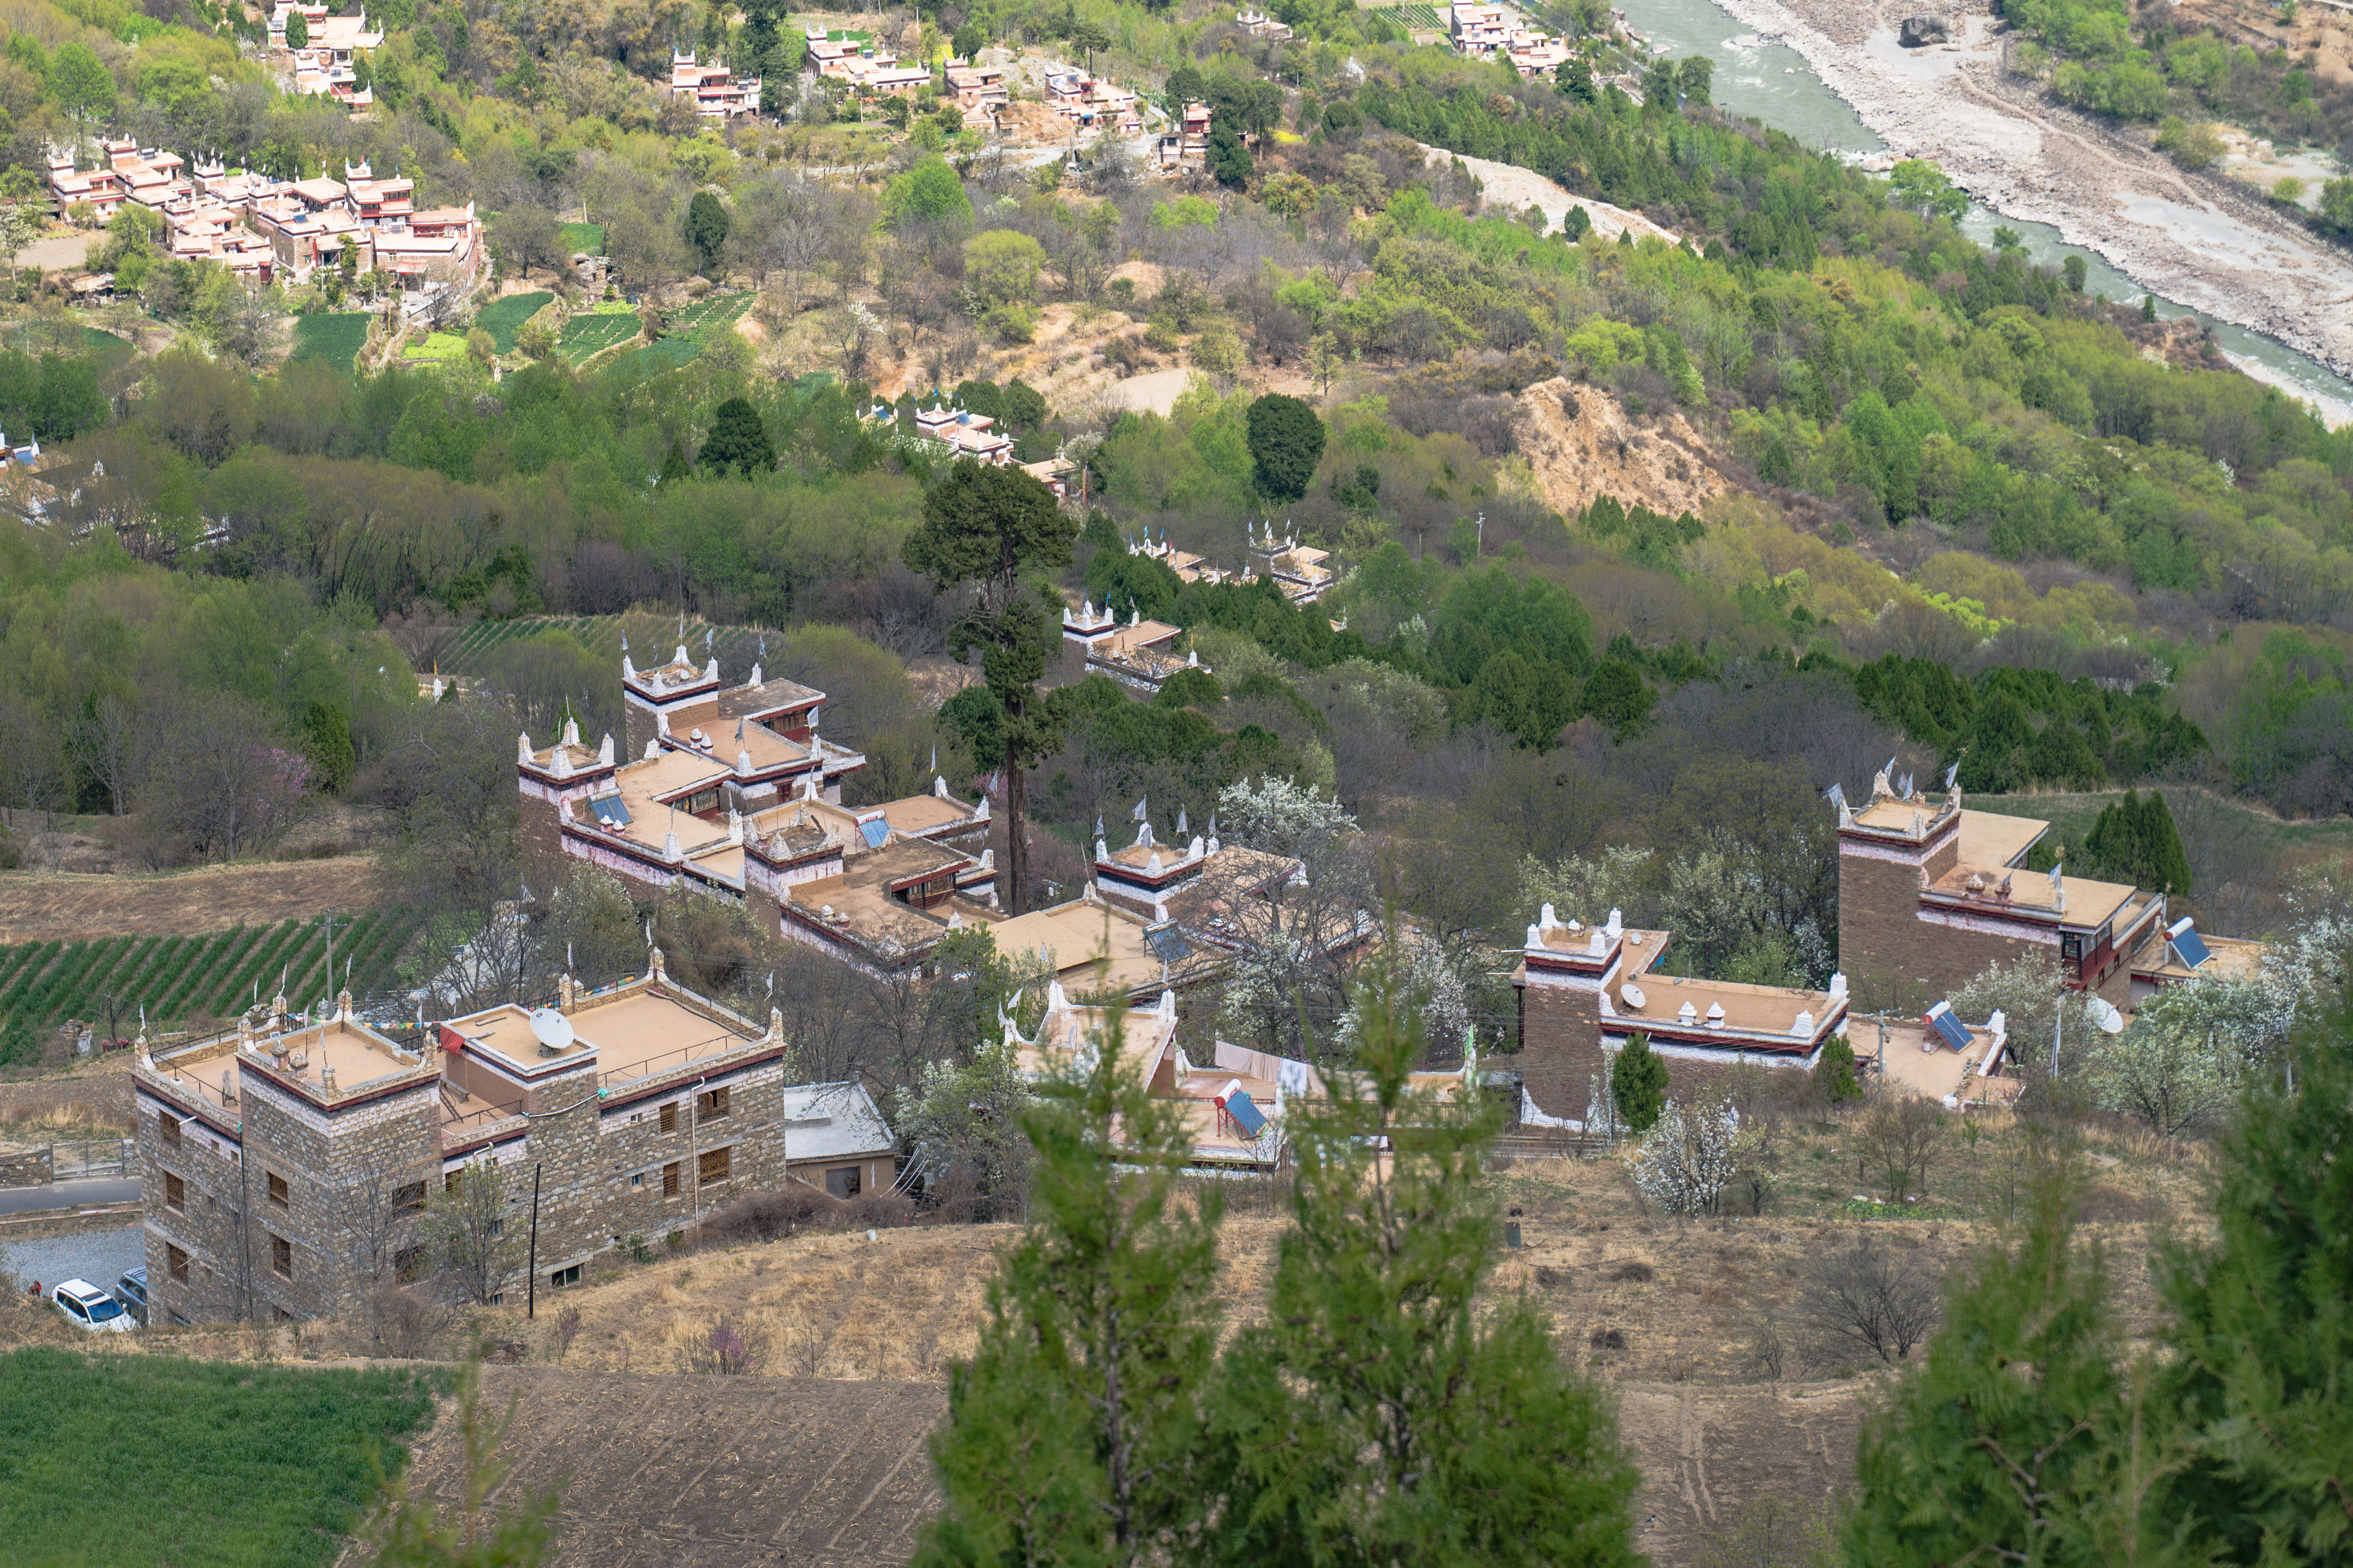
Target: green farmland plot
x,y
736,648
504,318
122,1459
701,318
212,974
585,337
582,238
336,338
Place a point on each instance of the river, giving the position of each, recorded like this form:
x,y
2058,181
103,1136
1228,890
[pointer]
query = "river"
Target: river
x,y
1773,84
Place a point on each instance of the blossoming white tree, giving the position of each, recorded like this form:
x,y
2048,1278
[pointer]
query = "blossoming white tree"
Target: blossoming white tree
x,y
1690,1155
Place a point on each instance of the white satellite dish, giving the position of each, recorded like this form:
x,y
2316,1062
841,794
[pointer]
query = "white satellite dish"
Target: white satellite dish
x,y
554,1029
1632,995
2104,1016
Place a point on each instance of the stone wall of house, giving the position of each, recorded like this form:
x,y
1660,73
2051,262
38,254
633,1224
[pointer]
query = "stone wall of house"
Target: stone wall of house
x,y
350,1182
1894,959
1560,1047
342,1188
193,1186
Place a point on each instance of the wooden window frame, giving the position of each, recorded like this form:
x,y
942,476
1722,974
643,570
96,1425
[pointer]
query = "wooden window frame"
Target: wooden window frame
x,y
408,1198
175,1264
710,1105
281,1256
673,1183
175,1194
669,1117
167,1129
278,1189
713,1166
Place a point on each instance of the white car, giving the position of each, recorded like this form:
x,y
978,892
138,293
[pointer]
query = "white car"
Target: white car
x,y
87,1306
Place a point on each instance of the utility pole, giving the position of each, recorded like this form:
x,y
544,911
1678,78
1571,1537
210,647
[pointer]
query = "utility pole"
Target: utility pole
x,y
329,922
531,1290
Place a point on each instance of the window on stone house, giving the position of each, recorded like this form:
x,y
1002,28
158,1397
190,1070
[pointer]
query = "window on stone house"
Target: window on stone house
x,y
408,1197
167,1129
845,1181
714,1166
450,1181
177,1262
670,1180
175,1194
409,1263
282,1257
276,1190
563,1277
670,1118
710,1105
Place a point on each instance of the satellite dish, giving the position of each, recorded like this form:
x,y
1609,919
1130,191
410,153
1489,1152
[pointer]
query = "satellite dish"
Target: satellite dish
x,y
2104,1016
1633,994
554,1029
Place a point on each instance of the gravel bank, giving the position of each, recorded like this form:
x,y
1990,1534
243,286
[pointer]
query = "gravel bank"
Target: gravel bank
x,y
2212,250
100,1256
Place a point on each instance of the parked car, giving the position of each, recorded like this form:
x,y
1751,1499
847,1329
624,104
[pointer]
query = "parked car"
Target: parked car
x,y
131,1291
87,1306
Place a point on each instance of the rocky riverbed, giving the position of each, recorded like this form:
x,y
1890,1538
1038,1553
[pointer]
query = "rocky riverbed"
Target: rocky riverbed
x,y
2192,239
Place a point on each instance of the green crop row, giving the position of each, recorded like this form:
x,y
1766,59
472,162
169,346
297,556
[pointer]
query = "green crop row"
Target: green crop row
x,y
220,974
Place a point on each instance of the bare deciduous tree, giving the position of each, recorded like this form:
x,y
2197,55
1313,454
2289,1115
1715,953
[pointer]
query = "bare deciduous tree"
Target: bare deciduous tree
x,y
225,779
1872,1297
1895,1140
33,774
472,1231
106,742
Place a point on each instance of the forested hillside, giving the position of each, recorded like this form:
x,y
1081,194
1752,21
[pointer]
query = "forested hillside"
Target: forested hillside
x,y
1964,511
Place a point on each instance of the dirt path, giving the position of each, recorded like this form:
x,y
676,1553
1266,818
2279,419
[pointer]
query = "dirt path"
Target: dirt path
x,y
59,250
2196,242
745,1469
42,906
1509,186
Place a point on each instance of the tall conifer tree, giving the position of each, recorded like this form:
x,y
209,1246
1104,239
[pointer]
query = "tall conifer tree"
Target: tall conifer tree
x,y
2262,1325
1073,1434
1370,1418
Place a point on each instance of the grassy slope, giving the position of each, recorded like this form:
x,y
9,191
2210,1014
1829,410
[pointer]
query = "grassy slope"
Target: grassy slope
x,y
2070,817
139,1460
336,338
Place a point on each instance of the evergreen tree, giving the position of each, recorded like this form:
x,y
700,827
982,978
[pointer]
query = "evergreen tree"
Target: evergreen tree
x,y
1834,1076
2024,1436
738,440
1370,1418
2263,1320
1286,442
706,230
1615,695
2133,840
674,466
327,741
1025,406
1638,1080
1073,1434
1229,158
996,529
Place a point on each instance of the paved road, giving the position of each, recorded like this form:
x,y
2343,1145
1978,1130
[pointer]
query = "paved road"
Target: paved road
x,y
66,1195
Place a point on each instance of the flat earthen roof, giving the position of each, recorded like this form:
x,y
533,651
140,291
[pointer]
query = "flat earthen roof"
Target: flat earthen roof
x,y
1757,1009
1075,935
1989,839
